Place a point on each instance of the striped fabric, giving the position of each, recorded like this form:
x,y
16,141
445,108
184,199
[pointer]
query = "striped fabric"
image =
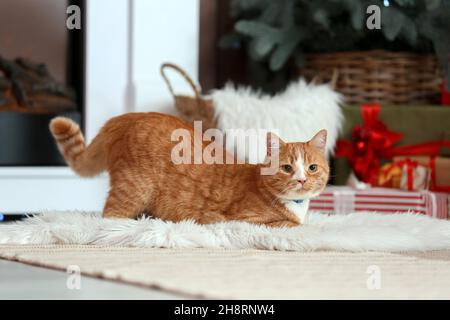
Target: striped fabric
x,y
343,200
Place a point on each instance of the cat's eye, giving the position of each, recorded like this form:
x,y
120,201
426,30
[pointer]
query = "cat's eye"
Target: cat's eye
x,y
287,168
312,168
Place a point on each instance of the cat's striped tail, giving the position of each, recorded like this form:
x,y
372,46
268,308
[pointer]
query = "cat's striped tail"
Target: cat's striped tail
x,y
85,161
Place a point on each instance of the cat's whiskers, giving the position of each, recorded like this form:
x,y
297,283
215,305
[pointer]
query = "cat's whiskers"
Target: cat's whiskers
x,y
277,198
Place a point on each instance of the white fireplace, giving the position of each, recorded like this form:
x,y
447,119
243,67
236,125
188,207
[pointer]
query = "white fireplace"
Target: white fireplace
x,y
126,42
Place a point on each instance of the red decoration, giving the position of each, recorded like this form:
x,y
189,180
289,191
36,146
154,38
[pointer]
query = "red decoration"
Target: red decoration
x,y
445,95
410,167
433,177
373,141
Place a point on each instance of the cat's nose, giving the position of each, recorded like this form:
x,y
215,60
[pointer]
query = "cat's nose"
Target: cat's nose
x,y
302,181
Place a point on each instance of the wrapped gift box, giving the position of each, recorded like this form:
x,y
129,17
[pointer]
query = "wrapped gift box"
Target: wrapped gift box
x,y
440,168
344,200
418,124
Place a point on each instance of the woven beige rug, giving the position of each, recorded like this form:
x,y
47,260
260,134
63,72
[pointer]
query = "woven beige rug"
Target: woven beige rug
x,y
255,274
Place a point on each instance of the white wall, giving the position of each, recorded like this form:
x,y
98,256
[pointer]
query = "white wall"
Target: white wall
x,y
106,61
122,79
165,31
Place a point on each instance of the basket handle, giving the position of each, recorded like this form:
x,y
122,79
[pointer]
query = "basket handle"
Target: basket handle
x,y
183,73
334,79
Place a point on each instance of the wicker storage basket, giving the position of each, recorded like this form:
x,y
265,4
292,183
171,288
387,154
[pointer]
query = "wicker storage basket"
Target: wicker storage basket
x,y
378,76
191,108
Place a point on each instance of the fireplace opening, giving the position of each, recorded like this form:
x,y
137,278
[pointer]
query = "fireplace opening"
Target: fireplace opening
x,y
41,76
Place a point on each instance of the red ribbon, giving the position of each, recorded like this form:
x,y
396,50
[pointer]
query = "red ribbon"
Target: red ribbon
x,y
445,95
434,185
373,141
410,166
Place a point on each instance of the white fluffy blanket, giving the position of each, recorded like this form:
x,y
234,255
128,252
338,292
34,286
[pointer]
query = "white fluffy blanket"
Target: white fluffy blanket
x,y
353,232
296,114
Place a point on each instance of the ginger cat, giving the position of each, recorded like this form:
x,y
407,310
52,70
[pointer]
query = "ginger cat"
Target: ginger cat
x,y
136,148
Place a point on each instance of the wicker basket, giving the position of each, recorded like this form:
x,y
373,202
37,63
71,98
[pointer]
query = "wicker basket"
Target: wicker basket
x,y
378,76
191,108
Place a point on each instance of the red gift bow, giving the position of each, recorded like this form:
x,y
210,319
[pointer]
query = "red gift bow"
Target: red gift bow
x,y
373,141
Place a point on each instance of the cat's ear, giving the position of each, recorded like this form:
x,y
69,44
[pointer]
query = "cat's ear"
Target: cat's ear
x,y
319,141
274,143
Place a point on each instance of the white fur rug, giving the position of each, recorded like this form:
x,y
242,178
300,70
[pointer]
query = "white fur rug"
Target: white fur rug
x,y
296,114
353,232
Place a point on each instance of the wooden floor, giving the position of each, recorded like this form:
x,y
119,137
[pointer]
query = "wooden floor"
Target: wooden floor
x,y
20,281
